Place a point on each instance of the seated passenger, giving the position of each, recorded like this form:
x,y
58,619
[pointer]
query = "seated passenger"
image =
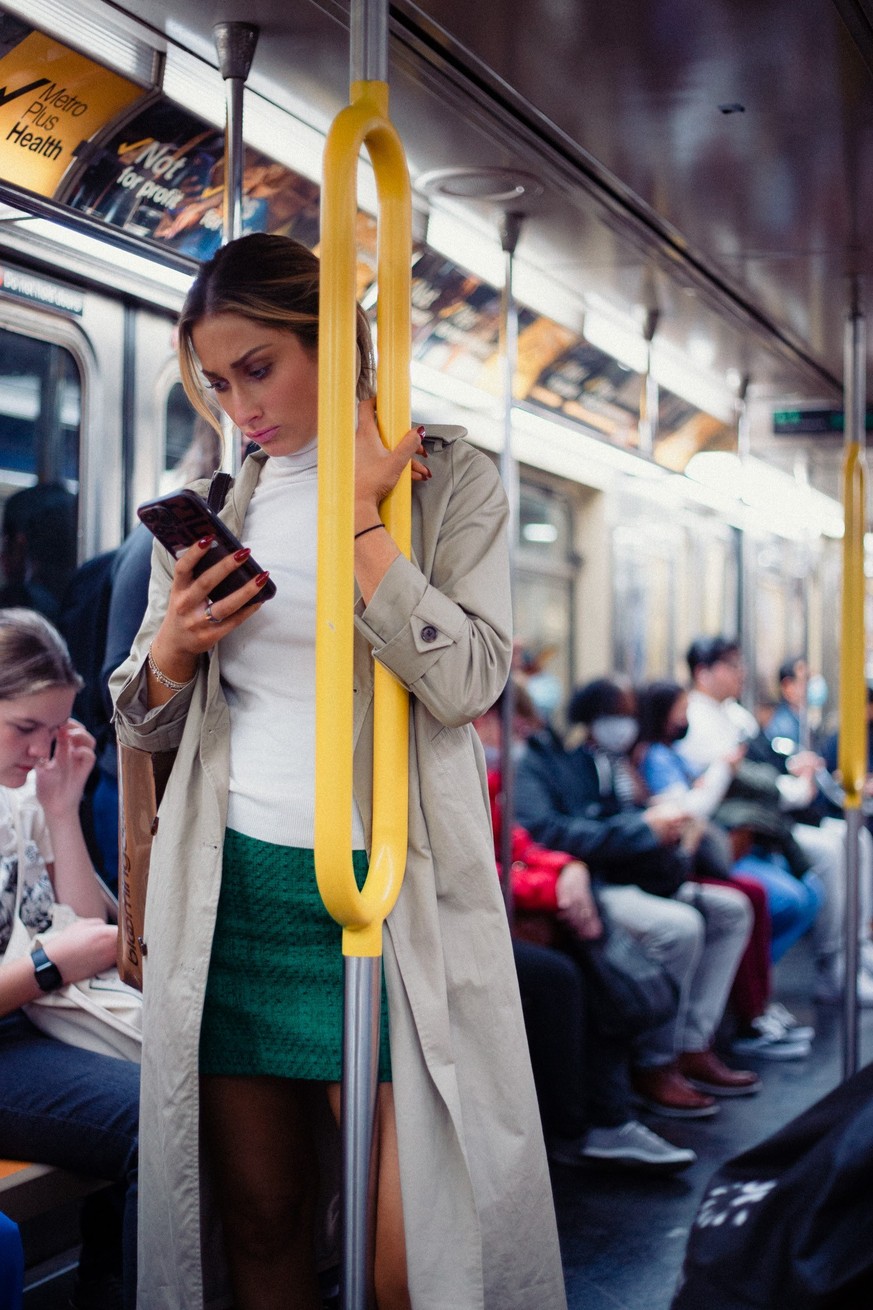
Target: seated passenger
x,y
38,552
717,724
59,1105
580,1073
586,798
784,906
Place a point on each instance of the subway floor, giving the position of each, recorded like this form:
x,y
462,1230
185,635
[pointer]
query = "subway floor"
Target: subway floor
x,y
623,1234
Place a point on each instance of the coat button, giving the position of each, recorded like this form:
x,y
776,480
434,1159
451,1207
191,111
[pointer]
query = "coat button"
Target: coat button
x,y
429,633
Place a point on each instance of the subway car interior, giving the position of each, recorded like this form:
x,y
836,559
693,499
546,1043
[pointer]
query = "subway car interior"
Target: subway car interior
x,y
642,266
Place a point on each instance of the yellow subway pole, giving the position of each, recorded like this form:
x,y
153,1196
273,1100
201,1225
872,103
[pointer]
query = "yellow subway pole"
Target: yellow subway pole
x,y
853,692
364,123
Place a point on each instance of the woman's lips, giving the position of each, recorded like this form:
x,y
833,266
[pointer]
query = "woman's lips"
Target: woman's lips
x,y
263,436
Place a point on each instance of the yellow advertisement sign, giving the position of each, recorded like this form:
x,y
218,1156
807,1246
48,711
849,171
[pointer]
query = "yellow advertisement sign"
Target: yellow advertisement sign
x,y
52,100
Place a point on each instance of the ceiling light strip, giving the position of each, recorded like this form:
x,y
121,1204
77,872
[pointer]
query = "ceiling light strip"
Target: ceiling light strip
x,y
108,37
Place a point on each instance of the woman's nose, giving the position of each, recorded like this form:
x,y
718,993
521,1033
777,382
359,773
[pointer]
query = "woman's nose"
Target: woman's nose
x,y
242,408
41,744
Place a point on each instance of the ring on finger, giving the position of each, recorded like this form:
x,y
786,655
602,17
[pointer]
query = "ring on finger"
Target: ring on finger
x,y
210,616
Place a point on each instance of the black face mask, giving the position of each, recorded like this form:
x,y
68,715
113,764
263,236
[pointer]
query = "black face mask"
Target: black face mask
x,y
676,734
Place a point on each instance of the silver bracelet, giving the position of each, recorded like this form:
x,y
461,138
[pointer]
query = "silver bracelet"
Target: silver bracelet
x,y
162,678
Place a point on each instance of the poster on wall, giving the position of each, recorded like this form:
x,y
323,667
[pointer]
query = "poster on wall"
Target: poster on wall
x,y
162,177
52,101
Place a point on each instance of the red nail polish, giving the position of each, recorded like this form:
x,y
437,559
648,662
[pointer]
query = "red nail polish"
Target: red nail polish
x,y
421,430
205,541
262,578
242,554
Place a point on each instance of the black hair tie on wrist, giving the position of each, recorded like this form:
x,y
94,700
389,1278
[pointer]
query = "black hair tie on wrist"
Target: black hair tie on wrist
x,y
372,528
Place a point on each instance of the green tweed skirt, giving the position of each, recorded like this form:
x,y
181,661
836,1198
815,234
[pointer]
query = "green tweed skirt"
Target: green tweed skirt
x,y
274,995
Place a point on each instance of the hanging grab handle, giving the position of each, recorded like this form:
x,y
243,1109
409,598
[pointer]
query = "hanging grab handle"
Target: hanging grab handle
x,y
364,122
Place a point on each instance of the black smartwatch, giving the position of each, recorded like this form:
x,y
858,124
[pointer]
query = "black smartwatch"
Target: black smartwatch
x,y
48,975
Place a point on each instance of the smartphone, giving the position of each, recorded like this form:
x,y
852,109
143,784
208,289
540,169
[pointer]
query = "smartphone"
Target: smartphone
x,y
183,517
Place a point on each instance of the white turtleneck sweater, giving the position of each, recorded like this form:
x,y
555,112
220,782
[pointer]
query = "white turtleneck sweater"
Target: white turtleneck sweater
x,y
268,665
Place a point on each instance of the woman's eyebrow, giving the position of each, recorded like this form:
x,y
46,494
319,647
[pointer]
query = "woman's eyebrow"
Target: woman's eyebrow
x,y
237,363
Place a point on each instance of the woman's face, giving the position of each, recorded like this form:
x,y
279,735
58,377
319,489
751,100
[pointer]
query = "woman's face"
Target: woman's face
x,y
28,728
264,379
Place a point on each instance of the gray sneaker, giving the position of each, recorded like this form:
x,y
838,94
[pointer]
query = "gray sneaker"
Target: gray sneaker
x,y
634,1146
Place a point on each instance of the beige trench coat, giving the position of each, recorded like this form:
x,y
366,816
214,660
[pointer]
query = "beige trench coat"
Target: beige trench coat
x,y
476,1192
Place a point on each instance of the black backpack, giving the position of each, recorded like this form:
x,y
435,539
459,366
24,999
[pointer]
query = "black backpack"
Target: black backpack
x,y
788,1225
83,622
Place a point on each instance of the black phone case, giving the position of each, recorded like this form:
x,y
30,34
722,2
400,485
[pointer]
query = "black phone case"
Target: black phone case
x,y
183,517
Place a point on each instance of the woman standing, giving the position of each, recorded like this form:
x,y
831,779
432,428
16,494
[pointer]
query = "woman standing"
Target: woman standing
x,y
243,978
59,1104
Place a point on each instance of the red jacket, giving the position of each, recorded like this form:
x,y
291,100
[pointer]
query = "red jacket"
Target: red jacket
x,y
534,868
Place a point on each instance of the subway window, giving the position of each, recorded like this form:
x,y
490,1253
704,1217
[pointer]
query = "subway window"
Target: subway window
x,y
544,579
40,427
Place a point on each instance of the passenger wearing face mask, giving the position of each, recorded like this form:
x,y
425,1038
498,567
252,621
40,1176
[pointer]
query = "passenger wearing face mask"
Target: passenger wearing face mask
x,y
584,796
784,906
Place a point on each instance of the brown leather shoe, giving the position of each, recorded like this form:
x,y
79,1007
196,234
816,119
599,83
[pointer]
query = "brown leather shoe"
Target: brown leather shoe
x,y
664,1090
705,1071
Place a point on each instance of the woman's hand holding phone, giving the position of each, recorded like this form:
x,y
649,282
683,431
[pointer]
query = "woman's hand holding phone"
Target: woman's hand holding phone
x,y
193,624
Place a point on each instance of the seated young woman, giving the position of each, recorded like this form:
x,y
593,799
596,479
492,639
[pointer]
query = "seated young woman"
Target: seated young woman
x,y
59,1105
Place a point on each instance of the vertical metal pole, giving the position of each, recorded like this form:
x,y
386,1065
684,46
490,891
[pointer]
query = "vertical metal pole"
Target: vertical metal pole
x,y
510,228
853,735
368,49
648,426
235,46
368,62
746,616
363,991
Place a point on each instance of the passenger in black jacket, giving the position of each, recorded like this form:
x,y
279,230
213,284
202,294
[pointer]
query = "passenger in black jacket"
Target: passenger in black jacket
x,y
586,798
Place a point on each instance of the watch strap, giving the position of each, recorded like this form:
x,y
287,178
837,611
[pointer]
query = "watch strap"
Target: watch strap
x,y
48,975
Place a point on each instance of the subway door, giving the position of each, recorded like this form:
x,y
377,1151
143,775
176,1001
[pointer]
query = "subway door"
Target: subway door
x,y
60,435
170,444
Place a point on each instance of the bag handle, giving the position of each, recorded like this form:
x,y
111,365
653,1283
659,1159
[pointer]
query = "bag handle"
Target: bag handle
x,y
218,490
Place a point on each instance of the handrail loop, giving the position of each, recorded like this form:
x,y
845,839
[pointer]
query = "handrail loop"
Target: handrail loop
x,y
363,123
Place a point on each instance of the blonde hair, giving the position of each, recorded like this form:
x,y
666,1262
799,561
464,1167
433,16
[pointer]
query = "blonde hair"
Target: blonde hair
x,y
33,656
271,280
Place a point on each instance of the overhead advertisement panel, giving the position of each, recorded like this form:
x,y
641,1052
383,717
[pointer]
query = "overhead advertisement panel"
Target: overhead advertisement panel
x,y
161,176
52,101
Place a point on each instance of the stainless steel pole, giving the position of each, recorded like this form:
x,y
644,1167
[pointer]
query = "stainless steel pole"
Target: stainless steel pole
x,y
368,62
510,227
852,673
235,46
363,989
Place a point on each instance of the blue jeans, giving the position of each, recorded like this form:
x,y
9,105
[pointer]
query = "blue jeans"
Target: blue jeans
x,y
11,1265
64,1106
793,902
104,816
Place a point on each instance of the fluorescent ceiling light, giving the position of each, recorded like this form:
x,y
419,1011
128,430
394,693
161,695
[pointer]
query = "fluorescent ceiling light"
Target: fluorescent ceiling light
x,y
617,339
780,503
560,447
466,246
677,374
105,35
435,383
104,252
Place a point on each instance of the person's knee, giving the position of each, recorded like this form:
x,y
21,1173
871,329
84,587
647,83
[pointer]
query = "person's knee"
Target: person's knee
x,y
264,1221
677,936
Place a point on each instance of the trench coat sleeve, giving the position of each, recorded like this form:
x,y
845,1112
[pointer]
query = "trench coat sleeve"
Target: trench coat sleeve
x,y
447,637
161,728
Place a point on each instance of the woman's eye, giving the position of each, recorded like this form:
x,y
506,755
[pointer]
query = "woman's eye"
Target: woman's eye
x,y
217,385
260,372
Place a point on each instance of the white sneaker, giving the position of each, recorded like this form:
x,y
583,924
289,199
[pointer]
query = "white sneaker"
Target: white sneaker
x,y
771,1048
829,991
634,1146
794,1029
